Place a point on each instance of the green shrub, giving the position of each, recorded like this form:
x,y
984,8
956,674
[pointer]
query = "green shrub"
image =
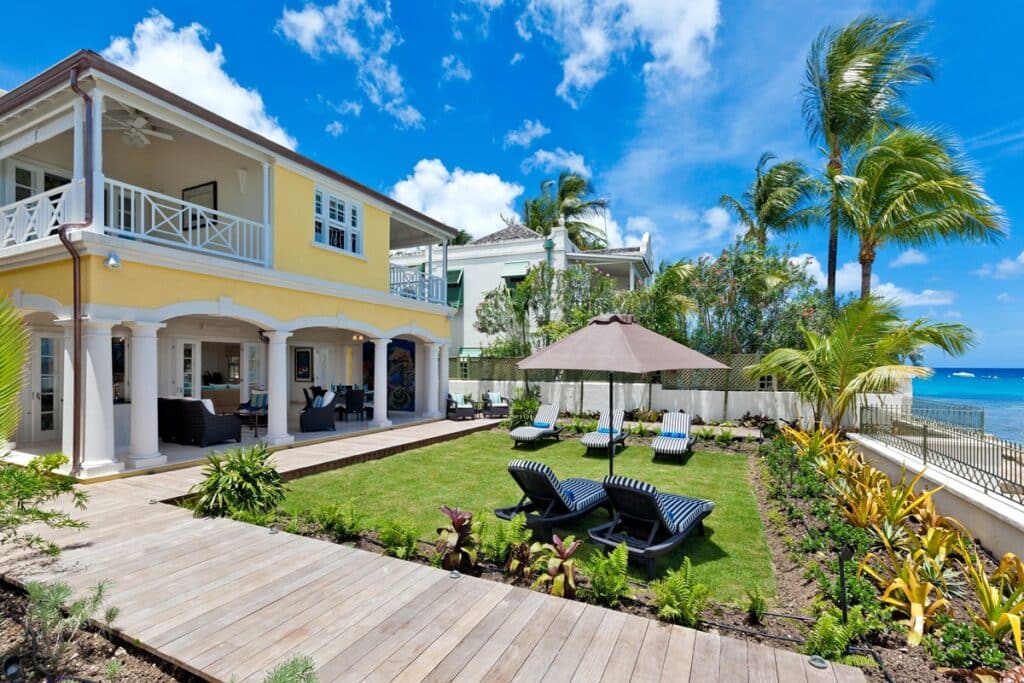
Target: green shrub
x,y
498,537
53,619
704,434
556,566
298,669
522,409
609,581
830,637
341,523
243,479
25,494
680,597
398,538
757,606
963,645
257,518
724,437
457,542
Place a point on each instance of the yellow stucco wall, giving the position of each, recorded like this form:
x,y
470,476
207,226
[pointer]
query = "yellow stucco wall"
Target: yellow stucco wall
x,y
295,252
146,286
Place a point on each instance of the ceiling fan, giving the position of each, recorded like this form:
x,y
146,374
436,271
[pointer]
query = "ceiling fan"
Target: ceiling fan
x,y
134,127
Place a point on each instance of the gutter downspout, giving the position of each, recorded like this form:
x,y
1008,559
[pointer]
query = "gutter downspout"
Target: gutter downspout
x,y
76,277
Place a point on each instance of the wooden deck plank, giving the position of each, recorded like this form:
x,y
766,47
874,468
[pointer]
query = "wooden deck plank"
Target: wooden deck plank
x,y
706,653
544,653
652,653
847,674
512,658
572,650
679,656
627,648
597,654
761,664
815,675
789,666
732,660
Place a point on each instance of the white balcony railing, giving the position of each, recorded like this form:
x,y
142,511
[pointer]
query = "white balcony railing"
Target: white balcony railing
x,y
412,283
149,216
39,215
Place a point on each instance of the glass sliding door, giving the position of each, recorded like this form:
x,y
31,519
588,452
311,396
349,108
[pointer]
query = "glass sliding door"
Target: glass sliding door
x,y
46,388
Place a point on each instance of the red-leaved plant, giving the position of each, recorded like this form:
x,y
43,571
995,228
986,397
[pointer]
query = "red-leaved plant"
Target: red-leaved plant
x,y
557,566
457,543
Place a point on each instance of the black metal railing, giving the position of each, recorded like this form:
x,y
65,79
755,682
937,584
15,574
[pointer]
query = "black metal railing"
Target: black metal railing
x,y
967,417
995,464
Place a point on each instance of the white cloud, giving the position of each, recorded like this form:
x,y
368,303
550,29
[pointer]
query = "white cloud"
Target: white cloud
x,y
526,133
454,68
458,18
1005,298
848,282
350,107
910,257
719,225
180,61
364,35
468,200
516,58
551,161
1006,269
677,35
335,128
448,108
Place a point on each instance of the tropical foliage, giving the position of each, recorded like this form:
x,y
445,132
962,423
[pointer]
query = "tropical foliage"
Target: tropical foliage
x,y
555,566
781,198
569,201
458,542
864,352
241,480
854,78
609,581
908,189
680,596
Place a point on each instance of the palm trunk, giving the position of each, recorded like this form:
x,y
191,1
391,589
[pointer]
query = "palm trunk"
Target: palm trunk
x,y
867,260
835,167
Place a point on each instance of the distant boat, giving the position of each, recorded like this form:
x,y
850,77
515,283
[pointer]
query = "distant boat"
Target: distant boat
x,y
961,374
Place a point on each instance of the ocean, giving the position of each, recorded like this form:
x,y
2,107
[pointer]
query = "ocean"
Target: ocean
x,y
1000,391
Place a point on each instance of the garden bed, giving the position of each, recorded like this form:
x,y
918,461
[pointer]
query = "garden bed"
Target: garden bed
x,y
92,653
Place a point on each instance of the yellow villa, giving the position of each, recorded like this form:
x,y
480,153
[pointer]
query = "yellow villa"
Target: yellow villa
x,y
221,279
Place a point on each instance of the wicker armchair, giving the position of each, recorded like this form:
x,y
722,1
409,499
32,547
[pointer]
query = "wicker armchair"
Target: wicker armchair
x,y
202,428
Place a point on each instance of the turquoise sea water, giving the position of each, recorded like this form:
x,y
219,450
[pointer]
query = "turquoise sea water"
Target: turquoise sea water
x,y
1000,391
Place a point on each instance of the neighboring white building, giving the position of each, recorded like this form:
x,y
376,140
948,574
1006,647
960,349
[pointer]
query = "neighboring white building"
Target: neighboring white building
x,y
504,257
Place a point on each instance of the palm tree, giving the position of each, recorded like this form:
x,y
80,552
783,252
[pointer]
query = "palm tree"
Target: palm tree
x,y
568,200
864,353
661,305
908,189
14,340
780,199
855,76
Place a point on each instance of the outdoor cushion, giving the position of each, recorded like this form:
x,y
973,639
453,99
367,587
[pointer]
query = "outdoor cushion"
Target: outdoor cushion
x,y
677,513
495,399
328,399
208,403
582,493
258,400
460,401
541,425
605,430
318,402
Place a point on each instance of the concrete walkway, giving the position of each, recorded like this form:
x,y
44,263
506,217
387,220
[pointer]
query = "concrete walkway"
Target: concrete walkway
x,y
228,600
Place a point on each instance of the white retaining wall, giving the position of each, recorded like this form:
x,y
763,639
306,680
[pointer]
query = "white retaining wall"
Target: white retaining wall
x,y
998,524
710,405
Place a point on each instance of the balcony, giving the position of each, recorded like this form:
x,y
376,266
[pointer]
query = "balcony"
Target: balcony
x,y
40,215
413,283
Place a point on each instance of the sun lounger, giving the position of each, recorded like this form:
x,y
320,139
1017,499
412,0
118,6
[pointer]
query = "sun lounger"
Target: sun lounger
x,y
599,438
544,425
548,502
675,436
650,523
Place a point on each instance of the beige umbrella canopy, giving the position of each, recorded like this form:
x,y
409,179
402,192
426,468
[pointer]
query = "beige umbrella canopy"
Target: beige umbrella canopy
x,y
615,343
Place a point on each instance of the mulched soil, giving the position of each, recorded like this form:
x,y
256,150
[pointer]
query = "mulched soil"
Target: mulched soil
x,y
90,652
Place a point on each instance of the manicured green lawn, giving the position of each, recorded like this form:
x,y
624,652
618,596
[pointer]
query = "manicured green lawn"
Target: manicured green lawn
x,y
471,473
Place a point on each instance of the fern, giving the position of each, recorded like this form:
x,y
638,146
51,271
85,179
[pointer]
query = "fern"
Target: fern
x,y
298,669
680,597
398,538
831,638
497,538
609,583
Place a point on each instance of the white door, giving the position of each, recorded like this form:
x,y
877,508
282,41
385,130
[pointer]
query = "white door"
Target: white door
x,y
252,370
45,386
188,370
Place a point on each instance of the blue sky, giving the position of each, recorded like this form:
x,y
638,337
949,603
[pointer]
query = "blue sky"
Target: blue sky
x,y
462,107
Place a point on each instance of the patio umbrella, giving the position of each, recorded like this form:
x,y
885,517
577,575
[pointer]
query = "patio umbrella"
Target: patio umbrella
x,y
615,343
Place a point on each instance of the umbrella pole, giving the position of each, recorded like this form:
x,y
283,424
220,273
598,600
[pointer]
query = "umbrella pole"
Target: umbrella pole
x,y
611,425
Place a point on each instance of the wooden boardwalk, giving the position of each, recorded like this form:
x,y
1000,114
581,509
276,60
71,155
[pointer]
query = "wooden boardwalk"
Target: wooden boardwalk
x,y
228,600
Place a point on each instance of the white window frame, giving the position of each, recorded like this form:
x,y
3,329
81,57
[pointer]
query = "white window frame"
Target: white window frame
x,y
342,232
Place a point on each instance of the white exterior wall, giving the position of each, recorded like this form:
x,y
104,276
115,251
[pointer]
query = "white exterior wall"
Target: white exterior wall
x,y
709,405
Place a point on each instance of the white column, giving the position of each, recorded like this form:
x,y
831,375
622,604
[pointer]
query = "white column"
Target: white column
x,y
268,245
98,400
277,389
380,383
67,446
78,140
144,362
632,277
442,394
98,221
430,378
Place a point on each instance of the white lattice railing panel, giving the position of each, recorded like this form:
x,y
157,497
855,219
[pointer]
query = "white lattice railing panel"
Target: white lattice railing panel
x,y
39,216
412,283
154,217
